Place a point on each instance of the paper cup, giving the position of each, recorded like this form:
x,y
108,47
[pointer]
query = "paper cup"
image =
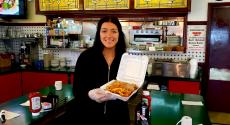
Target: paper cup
x,y
58,85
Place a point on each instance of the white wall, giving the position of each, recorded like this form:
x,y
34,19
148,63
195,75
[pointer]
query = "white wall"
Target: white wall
x,y
214,1
199,9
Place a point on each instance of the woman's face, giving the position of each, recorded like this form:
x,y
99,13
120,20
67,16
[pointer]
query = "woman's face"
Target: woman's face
x,y
109,34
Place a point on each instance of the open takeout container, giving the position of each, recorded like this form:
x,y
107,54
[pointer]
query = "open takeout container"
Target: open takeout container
x,y
132,69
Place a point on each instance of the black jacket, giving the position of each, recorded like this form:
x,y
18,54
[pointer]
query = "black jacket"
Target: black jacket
x,y
92,72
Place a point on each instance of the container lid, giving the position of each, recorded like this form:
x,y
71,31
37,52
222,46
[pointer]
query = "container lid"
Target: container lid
x,y
146,93
35,114
133,68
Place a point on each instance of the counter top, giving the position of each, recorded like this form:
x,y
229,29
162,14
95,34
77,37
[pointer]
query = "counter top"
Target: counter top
x,y
65,96
167,108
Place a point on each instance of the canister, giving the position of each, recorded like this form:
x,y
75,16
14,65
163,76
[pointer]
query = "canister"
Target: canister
x,y
46,60
62,62
47,57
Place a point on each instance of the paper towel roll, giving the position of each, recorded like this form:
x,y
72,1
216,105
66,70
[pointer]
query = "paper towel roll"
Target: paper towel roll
x,y
186,120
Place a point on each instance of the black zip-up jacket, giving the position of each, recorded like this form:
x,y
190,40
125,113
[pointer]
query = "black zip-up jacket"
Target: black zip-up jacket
x,y
92,71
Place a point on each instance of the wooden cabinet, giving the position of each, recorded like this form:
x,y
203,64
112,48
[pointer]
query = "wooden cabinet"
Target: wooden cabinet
x,y
186,87
33,81
13,85
72,77
10,86
176,84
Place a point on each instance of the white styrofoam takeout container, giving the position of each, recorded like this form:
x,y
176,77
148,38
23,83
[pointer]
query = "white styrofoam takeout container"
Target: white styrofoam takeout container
x,y
132,69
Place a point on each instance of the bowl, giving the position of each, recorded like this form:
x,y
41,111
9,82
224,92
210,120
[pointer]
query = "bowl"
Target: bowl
x,y
23,66
54,63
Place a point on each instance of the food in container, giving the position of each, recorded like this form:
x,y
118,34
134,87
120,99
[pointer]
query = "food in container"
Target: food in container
x,y
122,88
130,77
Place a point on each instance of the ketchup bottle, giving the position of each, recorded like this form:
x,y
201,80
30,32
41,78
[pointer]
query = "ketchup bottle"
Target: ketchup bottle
x,y
147,99
35,103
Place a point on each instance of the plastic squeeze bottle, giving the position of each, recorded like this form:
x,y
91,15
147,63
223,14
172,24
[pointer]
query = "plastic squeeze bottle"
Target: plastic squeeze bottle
x,y
35,103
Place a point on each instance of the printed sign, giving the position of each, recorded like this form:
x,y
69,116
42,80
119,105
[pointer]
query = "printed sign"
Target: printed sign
x,y
196,38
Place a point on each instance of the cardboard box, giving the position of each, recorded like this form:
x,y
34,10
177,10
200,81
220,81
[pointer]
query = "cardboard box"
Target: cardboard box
x,y
132,69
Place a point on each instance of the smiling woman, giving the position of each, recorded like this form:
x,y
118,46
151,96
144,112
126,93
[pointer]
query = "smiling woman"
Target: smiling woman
x,y
109,35
102,60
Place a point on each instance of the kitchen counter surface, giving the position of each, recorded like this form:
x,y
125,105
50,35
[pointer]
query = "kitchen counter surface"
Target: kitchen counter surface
x,y
167,108
65,96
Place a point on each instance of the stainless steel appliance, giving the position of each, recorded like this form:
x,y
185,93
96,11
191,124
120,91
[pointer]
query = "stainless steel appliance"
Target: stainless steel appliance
x,y
171,69
173,40
144,37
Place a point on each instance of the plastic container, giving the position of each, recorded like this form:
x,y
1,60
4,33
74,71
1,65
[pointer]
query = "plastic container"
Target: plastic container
x,y
147,98
132,69
35,103
142,113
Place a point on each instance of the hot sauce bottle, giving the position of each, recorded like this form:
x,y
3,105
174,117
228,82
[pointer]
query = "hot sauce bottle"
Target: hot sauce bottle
x,y
35,103
142,116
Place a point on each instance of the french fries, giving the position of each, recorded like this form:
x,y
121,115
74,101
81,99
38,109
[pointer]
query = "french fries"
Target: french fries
x,y
122,88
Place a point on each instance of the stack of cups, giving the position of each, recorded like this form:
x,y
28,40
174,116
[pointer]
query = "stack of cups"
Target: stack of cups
x,y
47,58
193,68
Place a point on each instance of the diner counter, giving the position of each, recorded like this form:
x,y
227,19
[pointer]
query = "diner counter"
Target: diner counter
x,y
167,108
65,97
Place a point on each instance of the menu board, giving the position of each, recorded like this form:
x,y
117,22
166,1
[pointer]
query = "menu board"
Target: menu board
x,y
56,5
196,35
148,4
106,4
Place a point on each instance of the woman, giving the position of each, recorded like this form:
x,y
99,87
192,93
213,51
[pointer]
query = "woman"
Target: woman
x,y
95,67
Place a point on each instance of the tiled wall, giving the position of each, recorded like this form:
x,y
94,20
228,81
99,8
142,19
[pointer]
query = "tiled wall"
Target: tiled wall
x,y
89,28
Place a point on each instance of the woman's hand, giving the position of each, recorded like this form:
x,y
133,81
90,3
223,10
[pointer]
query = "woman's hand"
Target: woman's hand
x,y
99,95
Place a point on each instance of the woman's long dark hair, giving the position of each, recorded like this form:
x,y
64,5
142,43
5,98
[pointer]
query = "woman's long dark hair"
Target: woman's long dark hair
x,y
120,46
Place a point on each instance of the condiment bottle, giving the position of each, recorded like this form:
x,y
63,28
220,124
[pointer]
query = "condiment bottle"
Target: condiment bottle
x,y
2,116
138,114
142,111
35,103
147,98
